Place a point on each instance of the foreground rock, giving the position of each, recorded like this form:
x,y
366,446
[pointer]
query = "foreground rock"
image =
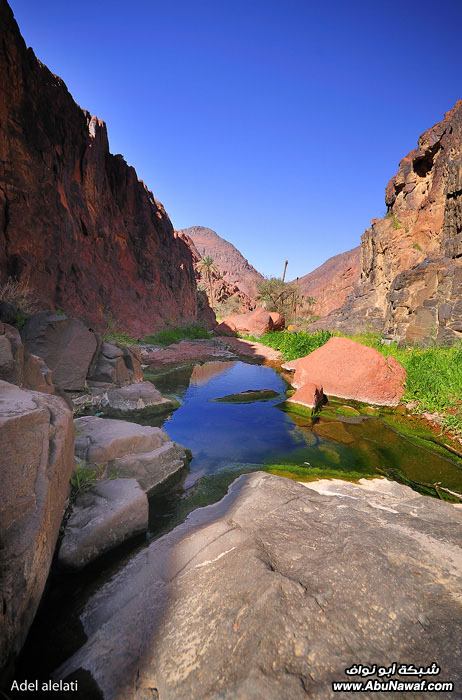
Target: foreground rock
x,y
351,371
37,445
272,593
310,395
104,517
129,450
66,345
134,399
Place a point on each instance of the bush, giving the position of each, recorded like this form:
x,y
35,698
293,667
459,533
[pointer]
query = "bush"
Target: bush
x,y
19,293
174,335
115,333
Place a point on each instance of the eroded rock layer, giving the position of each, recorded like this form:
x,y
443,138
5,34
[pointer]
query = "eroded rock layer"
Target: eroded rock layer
x,y
75,218
423,223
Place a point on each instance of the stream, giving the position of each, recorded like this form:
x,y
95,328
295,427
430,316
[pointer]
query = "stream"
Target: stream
x,y
227,439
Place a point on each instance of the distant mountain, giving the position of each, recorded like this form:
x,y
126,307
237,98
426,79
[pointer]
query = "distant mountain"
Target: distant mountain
x,y
331,283
236,270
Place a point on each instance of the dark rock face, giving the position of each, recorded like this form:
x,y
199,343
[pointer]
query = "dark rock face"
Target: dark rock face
x,y
75,218
66,345
37,456
424,222
273,593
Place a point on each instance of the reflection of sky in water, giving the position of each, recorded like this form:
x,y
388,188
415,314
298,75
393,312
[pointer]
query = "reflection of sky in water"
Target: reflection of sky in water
x,y
219,434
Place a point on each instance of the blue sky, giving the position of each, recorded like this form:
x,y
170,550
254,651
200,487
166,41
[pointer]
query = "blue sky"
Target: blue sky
x,y
277,123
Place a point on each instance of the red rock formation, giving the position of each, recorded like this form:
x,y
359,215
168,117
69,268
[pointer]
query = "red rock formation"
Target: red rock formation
x,y
75,218
236,270
331,283
351,371
410,278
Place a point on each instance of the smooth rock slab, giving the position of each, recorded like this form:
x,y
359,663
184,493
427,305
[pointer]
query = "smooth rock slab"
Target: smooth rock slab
x,y
142,398
104,517
276,589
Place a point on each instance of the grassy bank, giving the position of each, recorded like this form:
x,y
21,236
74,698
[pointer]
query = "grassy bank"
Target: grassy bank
x,y
434,375
174,335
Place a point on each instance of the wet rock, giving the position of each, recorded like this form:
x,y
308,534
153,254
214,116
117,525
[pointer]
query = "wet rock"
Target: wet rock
x,y
110,513
130,450
352,371
37,455
309,395
272,593
66,345
249,396
142,398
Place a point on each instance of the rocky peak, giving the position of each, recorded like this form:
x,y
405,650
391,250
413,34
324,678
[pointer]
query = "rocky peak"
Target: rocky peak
x,y
234,268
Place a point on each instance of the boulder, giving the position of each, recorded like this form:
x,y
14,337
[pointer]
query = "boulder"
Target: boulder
x,y
66,345
116,366
102,518
37,456
309,395
277,320
8,313
142,398
130,450
226,328
349,370
273,592
18,366
255,322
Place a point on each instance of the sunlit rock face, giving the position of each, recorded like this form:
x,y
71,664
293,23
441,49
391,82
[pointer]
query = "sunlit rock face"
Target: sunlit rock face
x,y
272,593
423,222
74,217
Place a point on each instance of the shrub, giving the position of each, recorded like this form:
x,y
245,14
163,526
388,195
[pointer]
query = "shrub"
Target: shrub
x,y
173,335
19,293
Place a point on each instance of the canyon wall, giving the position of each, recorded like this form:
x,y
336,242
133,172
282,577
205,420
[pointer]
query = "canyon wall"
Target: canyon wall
x,y
410,285
75,219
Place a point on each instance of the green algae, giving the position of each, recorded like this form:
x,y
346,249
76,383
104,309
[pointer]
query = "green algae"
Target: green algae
x,y
249,396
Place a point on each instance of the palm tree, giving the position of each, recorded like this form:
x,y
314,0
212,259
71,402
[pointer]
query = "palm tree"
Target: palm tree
x,y
207,267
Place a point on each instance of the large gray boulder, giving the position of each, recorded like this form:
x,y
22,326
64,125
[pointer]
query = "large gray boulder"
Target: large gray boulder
x,y
132,400
36,459
66,345
277,589
101,519
129,450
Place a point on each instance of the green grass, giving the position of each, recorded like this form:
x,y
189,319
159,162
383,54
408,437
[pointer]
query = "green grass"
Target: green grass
x,y
115,333
174,335
293,345
434,374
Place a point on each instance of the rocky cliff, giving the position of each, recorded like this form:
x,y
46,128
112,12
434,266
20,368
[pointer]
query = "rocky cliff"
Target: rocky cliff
x,y
222,291
411,260
234,268
74,218
331,282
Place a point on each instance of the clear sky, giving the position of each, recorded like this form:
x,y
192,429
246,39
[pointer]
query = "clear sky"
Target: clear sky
x,y
277,123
